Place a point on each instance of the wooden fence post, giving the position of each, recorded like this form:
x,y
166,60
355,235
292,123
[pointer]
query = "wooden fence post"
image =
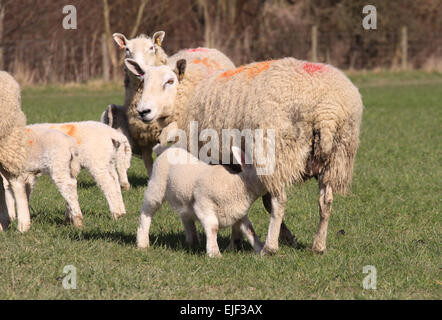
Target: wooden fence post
x,y
105,57
404,46
314,43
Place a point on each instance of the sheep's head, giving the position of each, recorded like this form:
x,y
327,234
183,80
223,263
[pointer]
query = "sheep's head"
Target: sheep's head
x,y
159,88
143,49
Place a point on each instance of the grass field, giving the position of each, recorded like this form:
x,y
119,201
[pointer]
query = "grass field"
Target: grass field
x,y
391,220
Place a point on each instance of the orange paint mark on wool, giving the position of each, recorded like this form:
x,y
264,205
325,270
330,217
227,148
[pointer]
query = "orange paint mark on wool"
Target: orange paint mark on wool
x,y
258,68
31,142
198,50
252,71
208,63
70,130
311,68
231,73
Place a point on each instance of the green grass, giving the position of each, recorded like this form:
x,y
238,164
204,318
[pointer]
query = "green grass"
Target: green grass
x,y
391,220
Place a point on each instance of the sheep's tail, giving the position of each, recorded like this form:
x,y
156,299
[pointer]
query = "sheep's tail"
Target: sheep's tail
x,y
75,162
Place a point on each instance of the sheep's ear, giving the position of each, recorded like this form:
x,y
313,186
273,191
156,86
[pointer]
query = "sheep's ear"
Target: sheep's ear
x,y
239,156
120,39
107,116
134,68
158,37
180,69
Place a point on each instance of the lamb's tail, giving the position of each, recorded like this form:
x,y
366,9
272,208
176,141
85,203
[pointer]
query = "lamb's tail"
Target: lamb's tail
x,y
123,155
75,161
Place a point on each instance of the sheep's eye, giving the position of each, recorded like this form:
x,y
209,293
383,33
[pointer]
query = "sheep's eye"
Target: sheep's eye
x,y
151,48
170,81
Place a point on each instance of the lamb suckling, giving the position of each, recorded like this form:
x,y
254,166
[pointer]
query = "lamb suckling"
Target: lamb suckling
x,y
188,185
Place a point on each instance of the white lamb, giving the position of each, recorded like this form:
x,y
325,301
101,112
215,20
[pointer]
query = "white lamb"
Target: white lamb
x,y
49,152
101,150
211,194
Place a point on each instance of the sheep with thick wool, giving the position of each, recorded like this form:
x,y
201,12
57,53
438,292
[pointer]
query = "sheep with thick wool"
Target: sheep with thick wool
x,y
314,110
146,51
13,150
48,152
188,185
105,153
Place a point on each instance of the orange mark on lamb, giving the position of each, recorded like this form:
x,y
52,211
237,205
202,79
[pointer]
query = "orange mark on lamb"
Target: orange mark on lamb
x,y
252,71
311,68
70,130
31,142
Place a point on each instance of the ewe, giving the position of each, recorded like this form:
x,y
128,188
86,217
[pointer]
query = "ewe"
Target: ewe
x,y
51,152
314,110
148,52
13,137
210,194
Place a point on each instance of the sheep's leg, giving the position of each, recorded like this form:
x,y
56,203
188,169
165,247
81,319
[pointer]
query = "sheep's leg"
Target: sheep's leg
x,y
119,197
9,197
146,154
67,186
107,183
276,216
4,208
247,229
21,200
285,234
210,224
121,169
190,229
236,238
152,202
325,205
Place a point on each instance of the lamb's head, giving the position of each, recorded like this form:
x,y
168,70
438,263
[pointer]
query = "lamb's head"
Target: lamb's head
x,y
143,49
248,173
159,88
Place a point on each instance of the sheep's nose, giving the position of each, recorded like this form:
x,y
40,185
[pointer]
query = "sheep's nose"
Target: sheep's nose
x,y
144,113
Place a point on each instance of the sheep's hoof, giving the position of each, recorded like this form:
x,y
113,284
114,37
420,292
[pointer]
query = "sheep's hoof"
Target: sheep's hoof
x,y
318,247
125,186
4,224
235,244
266,250
78,222
23,227
117,216
214,255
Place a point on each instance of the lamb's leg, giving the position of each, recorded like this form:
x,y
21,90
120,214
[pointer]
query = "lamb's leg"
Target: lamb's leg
x,y
152,202
21,200
249,232
236,238
146,154
67,186
190,229
285,234
110,188
325,205
4,213
210,224
276,215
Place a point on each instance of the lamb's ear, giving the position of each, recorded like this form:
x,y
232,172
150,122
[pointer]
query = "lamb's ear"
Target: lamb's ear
x,y
158,37
120,39
134,68
180,69
239,156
